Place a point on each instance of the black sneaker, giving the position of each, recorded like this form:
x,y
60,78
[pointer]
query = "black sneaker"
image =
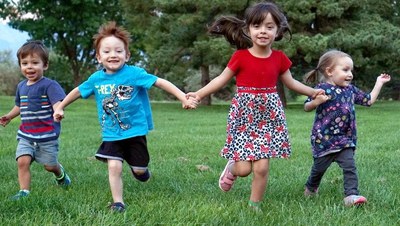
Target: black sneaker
x,y
117,207
143,177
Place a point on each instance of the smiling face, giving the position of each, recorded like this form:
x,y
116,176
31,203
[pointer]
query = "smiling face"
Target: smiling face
x,y
32,67
112,54
340,74
263,34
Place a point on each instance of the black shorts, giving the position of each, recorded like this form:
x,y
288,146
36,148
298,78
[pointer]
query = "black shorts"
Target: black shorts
x,y
132,150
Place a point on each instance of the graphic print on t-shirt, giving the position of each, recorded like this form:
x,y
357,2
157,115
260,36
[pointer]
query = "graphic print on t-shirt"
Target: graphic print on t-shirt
x,y
111,105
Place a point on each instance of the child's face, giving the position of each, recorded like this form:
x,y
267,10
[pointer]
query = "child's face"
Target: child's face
x,y
112,54
263,35
341,73
32,67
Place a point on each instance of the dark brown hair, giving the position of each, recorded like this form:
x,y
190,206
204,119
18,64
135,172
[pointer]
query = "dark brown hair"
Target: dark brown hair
x,y
234,29
111,29
33,47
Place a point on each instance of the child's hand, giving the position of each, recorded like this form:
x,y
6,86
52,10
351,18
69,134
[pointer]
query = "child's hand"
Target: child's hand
x,y
190,103
193,95
383,78
4,120
317,92
58,115
321,98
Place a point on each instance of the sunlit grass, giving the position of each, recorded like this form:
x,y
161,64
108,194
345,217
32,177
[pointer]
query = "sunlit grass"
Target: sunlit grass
x,y
180,194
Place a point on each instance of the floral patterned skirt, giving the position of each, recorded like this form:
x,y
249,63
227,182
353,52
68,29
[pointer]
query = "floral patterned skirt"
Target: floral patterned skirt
x,y
256,127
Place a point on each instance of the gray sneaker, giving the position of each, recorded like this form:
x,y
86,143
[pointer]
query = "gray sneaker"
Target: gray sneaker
x,y
354,200
20,195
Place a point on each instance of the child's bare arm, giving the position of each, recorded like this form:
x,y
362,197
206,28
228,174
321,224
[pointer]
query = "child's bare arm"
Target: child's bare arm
x,y
319,99
5,119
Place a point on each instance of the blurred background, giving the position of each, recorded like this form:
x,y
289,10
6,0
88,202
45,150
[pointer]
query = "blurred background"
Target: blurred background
x,y
170,40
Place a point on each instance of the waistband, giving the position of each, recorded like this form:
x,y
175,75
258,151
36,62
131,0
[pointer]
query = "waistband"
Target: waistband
x,y
242,89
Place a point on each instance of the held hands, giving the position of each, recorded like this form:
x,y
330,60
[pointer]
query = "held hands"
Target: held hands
x,y
190,102
58,115
317,92
321,98
4,120
194,99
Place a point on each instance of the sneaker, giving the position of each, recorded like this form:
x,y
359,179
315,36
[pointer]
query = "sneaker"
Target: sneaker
x,y
117,207
354,200
20,195
227,179
65,181
310,193
142,177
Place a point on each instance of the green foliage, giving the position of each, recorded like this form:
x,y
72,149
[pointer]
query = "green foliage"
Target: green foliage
x,y
10,74
66,27
179,193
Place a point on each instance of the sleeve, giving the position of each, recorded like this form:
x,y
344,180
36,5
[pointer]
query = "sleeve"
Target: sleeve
x,y
361,98
286,63
55,92
144,79
309,99
233,63
87,87
17,96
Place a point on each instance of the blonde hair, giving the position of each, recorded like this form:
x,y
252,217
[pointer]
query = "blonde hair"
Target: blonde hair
x,y
327,60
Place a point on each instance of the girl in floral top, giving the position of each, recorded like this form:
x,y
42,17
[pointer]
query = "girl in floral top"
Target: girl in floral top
x,y
334,134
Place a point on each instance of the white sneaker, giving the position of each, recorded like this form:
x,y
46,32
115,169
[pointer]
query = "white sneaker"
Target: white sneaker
x,y
354,200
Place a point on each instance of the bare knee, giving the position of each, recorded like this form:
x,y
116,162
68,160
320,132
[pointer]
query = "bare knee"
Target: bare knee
x,y
114,166
24,161
241,169
261,168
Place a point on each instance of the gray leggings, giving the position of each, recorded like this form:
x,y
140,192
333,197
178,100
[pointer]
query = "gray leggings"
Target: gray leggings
x,y
345,160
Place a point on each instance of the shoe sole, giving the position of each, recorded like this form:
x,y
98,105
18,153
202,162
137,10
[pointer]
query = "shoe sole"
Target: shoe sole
x,y
222,177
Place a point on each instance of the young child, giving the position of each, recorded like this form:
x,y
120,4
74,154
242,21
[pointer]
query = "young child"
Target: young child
x,y
35,100
123,107
256,127
334,134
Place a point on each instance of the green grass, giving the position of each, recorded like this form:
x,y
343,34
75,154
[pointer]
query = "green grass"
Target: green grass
x,y
180,194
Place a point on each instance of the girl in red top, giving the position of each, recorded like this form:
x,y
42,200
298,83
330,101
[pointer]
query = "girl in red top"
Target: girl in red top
x,y
256,129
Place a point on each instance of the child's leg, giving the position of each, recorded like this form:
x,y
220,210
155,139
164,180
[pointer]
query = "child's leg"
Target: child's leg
x,y
24,173
115,179
260,179
345,160
241,168
318,170
56,170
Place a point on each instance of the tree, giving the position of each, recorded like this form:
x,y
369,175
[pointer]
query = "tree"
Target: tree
x,y
66,27
367,31
10,74
173,35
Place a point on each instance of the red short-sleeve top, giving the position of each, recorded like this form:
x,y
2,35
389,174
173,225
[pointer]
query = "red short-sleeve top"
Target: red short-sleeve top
x,y
251,71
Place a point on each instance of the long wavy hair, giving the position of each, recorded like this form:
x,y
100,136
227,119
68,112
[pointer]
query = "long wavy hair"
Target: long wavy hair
x,y
235,30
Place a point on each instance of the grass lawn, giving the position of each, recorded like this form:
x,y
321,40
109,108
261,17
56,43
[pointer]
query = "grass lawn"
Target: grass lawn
x,y
181,193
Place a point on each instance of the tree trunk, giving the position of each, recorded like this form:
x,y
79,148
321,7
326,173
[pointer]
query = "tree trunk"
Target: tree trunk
x,y
205,79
